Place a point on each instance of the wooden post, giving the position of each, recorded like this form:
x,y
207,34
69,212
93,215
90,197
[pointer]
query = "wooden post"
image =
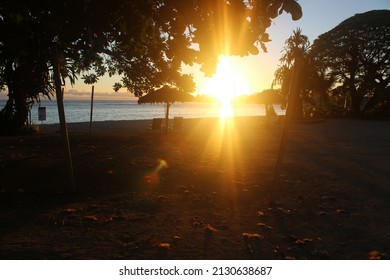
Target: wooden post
x,y
267,114
292,98
64,130
167,117
90,118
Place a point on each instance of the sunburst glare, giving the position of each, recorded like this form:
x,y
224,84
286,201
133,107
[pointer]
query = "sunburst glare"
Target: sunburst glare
x,y
227,83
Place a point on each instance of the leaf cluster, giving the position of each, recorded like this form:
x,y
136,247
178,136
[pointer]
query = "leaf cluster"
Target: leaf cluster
x,y
144,41
356,55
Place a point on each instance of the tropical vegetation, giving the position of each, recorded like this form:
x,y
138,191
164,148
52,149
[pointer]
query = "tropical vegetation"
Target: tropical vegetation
x,y
345,72
45,43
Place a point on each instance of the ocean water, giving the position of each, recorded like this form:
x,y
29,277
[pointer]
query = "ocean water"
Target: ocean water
x,y
113,110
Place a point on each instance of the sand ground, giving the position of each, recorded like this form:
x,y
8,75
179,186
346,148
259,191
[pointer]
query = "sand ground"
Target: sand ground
x,y
202,193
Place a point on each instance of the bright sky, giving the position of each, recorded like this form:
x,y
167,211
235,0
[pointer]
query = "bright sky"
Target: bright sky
x,y
256,72
319,16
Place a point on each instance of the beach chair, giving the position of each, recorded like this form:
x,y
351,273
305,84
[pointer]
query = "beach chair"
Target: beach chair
x,y
156,124
177,124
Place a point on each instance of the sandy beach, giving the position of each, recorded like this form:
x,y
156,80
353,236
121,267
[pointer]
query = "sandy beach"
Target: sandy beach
x,y
201,193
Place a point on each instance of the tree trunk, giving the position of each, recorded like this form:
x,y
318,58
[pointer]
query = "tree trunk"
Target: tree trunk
x,y
356,103
21,110
356,97
61,114
15,114
291,103
7,115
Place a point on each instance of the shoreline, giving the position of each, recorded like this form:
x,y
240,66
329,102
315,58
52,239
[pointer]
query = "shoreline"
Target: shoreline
x,y
123,127
107,111
138,126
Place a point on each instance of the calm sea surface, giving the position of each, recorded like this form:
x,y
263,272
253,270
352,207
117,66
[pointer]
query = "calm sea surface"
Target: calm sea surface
x,y
108,110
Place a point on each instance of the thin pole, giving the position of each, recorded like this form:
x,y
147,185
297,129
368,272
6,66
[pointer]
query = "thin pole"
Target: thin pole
x,y
167,117
64,130
90,118
292,98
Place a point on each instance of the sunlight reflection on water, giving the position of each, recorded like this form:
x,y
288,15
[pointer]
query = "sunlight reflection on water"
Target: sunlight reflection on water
x,y
105,110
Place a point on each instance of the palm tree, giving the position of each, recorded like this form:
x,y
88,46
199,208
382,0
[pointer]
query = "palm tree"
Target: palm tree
x,y
296,44
91,79
312,84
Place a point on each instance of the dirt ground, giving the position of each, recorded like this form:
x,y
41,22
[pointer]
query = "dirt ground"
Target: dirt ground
x,y
203,193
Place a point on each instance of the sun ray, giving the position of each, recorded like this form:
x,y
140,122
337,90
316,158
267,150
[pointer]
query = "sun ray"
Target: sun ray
x,y
226,85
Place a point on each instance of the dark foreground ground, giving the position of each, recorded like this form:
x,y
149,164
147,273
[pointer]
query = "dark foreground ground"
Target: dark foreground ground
x,y
200,193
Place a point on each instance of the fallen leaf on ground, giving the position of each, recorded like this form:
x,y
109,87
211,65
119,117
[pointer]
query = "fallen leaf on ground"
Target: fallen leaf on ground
x,y
260,213
375,255
303,241
163,249
164,246
91,218
177,238
209,230
70,210
252,236
264,225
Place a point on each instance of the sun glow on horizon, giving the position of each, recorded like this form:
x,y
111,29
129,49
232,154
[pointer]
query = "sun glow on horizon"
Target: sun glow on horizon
x,y
226,84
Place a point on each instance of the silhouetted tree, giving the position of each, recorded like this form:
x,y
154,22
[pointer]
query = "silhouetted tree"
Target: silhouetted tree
x,y
144,41
296,45
355,56
314,83
35,34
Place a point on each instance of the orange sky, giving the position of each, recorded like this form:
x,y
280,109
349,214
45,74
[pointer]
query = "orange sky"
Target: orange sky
x,y
253,73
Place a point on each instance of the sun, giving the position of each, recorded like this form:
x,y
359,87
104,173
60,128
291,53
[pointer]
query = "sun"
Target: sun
x,y
226,84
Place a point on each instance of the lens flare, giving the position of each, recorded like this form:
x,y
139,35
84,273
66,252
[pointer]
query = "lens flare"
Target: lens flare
x,y
161,164
152,180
